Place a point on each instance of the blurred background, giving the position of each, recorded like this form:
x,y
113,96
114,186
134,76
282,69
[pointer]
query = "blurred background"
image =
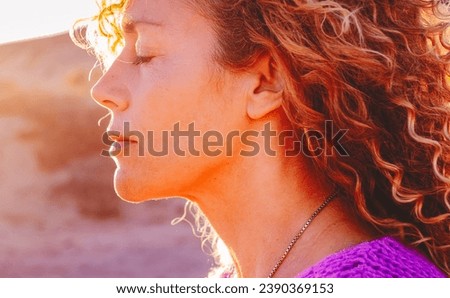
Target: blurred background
x,y
59,215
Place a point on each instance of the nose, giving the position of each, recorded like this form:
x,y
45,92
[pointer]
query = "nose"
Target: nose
x,y
111,91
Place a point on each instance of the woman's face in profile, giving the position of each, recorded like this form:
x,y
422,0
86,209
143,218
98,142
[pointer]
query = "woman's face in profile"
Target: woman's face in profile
x,y
164,80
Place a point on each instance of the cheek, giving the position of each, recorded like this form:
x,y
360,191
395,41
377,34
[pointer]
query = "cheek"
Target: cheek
x,y
185,93
164,98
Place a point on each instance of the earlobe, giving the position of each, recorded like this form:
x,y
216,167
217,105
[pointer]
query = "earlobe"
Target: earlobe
x,y
264,103
267,89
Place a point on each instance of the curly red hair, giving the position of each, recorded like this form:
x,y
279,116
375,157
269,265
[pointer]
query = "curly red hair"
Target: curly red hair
x,y
375,67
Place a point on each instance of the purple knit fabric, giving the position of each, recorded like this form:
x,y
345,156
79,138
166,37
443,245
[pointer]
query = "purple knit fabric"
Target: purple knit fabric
x,y
380,258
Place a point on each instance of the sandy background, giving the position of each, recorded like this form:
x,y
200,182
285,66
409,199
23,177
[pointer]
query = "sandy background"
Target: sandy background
x,y
59,215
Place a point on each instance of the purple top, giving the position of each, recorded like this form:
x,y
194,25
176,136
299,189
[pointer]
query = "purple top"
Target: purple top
x,y
383,257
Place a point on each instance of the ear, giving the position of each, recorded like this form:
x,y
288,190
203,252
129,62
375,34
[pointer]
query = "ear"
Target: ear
x,y
266,88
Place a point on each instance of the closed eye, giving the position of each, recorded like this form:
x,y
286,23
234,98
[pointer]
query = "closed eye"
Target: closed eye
x,y
142,60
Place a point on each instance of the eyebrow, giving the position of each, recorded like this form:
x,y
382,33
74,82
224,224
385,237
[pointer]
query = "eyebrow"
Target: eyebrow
x,y
129,24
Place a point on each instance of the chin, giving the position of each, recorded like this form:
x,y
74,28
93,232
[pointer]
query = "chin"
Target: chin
x,y
134,189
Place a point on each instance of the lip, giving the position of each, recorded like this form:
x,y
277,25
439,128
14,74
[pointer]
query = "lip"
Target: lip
x,y
121,143
121,138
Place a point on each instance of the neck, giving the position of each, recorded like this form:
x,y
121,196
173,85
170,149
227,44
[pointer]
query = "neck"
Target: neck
x,y
257,205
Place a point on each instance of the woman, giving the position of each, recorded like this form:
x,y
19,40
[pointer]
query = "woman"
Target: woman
x,y
313,135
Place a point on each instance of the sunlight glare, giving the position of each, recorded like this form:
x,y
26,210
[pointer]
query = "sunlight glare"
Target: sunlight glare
x,y
30,18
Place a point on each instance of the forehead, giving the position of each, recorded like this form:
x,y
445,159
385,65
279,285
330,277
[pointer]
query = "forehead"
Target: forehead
x,y
176,20
159,12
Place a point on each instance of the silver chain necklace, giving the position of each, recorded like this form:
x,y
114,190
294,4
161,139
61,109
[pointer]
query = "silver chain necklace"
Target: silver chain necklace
x,y
299,234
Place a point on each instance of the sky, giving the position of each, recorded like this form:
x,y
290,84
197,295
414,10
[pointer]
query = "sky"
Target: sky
x,y
34,18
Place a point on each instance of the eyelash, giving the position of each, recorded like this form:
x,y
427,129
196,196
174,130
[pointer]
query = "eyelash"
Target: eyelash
x,y
142,60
